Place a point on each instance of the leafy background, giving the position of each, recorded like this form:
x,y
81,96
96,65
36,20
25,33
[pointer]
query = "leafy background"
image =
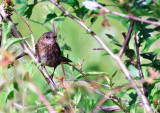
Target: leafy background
x,y
78,44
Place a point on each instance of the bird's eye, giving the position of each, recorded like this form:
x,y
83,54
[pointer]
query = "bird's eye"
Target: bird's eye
x,y
47,37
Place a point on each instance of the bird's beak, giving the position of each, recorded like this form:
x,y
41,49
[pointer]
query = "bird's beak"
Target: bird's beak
x,y
55,37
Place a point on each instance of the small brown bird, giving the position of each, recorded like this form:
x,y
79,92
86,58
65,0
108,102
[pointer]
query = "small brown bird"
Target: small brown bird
x,y
48,51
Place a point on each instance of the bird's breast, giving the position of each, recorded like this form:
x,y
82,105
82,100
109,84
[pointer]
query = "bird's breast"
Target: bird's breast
x,y
47,55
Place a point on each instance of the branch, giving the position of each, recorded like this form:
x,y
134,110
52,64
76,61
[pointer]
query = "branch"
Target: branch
x,y
115,57
98,48
32,38
129,17
139,67
110,108
27,49
127,39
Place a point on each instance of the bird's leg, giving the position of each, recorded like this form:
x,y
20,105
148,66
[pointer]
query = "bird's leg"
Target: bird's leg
x,y
51,77
53,73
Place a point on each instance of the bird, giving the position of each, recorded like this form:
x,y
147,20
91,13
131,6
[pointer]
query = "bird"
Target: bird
x,y
48,52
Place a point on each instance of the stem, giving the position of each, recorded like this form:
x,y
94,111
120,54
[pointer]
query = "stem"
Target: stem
x,y
127,39
139,68
32,38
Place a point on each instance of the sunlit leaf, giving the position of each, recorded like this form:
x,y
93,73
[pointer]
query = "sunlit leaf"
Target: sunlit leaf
x,y
91,5
13,41
71,2
77,97
150,41
91,74
133,71
114,40
10,95
66,47
6,30
156,51
28,12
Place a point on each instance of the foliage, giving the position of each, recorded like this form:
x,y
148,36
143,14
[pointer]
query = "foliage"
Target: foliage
x,y
18,92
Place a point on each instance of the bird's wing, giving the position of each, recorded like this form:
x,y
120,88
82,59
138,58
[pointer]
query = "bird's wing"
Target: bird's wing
x,y
56,49
37,52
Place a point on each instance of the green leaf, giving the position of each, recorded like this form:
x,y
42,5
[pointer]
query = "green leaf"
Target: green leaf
x,y
28,12
22,9
115,51
20,1
77,97
10,95
15,84
133,108
91,74
35,69
133,71
13,41
149,55
133,97
50,17
66,47
3,98
6,30
121,19
71,2
93,20
114,40
30,67
130,52
149,42
156,51
81,12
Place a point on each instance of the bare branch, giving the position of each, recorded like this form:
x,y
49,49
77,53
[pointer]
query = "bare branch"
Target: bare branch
x,y
115,57
32,38
110,108
139,67
98,48
27,49
127,39
129,17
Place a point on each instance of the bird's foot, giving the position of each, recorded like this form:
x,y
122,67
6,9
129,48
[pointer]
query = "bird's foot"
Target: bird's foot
x,y
51,77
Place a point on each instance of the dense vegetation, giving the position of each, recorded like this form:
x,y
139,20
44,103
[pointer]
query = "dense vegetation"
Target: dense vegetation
x,y
113,45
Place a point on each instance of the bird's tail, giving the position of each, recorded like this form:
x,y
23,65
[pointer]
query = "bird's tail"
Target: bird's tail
x,y
65,60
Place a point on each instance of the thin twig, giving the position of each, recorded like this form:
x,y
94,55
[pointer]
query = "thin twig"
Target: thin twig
x,y
28,49
139,67
129,17
115,57
129,54
98,48
32,38
110,108
127,39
